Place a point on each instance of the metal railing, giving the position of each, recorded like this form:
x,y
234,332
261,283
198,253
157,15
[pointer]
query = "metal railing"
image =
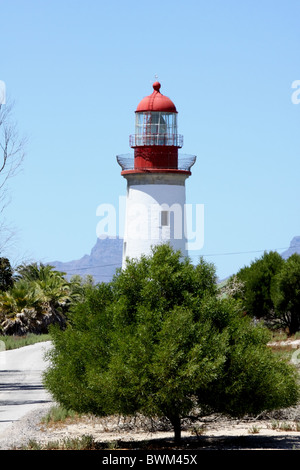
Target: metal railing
x,y
185,162
137,140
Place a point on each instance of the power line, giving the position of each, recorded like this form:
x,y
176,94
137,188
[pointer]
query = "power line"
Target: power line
x,y
82,268
247,252
92,267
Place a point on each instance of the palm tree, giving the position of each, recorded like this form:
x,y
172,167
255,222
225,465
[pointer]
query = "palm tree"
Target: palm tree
x,y
16,305
41,296
19,296
35,271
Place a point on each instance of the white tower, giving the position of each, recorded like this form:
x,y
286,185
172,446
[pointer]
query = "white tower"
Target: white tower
x,y
155,204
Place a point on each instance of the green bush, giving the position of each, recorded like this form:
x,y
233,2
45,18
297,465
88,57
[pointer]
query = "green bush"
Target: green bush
x,y
286,294
271,290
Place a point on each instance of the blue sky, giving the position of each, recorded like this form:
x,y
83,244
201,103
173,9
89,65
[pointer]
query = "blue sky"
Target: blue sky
x,y
77,70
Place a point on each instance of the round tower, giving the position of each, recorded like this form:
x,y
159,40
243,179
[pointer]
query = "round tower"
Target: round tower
x,y
156,175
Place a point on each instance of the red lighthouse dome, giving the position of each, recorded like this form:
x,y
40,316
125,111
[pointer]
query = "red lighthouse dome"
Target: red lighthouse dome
x,y
156,102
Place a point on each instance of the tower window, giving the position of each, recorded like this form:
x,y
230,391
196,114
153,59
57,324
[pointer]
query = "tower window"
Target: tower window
x,y
165,218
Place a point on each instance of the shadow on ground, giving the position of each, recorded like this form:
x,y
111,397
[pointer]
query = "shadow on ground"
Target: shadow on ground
x,y
282,442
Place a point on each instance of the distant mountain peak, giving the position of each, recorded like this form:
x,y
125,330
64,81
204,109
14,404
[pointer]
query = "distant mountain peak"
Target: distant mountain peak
x,y
103,261
293,248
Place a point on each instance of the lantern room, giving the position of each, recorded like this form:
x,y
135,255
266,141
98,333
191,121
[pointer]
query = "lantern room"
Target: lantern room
x,y
156,140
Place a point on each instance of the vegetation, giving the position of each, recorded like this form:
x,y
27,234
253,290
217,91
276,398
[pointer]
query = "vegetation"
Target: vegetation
x,y
85,442
286,293
37,297
6,274
14,342
271,290
160,340
257,280
59,414
285,426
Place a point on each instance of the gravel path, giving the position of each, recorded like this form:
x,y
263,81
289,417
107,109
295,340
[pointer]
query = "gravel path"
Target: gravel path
x,y
219,433
25,429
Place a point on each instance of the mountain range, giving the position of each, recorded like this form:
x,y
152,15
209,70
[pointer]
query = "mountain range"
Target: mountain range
x,y
106,257
101,263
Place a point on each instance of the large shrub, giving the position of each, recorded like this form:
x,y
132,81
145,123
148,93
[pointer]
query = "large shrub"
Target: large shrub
x,y
257,279
286,293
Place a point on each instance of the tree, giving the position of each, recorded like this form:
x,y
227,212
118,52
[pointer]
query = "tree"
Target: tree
x,y
257,279
286,293
39,297
6,274
160,341
49,286
12,152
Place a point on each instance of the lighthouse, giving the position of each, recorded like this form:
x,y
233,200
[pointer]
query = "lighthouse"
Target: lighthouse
x,y
156,174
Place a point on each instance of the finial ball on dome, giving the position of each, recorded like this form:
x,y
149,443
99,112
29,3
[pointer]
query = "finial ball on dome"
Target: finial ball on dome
x,y
156,86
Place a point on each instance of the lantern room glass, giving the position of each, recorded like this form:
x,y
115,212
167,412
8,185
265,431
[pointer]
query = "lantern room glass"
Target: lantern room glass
x,y
155,128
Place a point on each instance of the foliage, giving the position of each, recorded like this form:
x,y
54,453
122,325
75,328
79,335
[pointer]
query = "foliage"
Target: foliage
x,y
160,341
39,297
257,279
6,274
286,293
271,290
59,414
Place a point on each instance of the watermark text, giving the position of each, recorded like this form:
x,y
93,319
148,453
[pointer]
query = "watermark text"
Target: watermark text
x,y
2,92
153,222
296,94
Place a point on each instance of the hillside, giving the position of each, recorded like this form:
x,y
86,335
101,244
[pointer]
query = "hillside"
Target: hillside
x,y
101,263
